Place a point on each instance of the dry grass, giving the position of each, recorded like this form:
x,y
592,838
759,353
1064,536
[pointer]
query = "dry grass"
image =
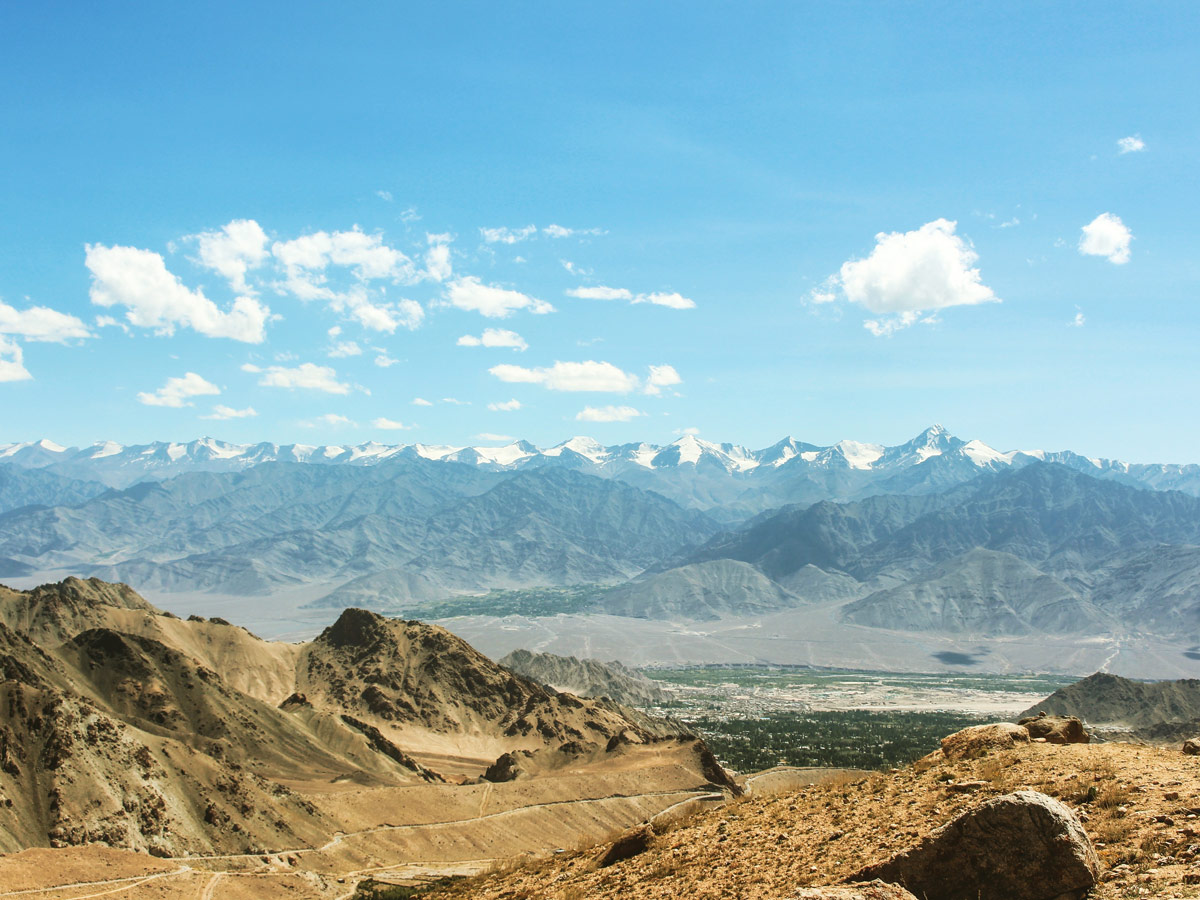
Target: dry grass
x,y
762,848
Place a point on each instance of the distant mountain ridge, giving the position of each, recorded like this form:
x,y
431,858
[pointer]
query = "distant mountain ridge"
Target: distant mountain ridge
x,y
692,471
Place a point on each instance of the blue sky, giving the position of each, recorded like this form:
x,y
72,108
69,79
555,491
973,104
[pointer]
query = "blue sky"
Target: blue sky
x,y
825,220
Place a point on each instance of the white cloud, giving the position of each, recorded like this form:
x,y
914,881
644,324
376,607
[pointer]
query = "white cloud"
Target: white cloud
x,y
390,425
507,235
693,430
329,420
234,250
571,376
558,231
494,337
306,375
671,299
226,412
661,377
454,401
600,293
384,361
177,391
1131,144
574,269
487,300
929,268
1107,236
12,366
505,406
40,323
367,254
344,348
154,298
488,436
110,322
437,257
608,414
421,401
1079,320
385,196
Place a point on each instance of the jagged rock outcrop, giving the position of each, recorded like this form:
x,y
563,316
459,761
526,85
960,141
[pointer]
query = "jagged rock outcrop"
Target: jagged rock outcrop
x,y
1021,846
1055,729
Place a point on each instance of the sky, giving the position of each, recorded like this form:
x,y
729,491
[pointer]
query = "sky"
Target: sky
x,y
463,223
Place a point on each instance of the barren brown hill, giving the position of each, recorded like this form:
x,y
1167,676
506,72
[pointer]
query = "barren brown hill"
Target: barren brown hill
x,y
124,726
1152,711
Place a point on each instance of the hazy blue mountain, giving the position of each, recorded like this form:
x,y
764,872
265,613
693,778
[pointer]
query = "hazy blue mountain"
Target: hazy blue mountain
x,y
446,525
35,487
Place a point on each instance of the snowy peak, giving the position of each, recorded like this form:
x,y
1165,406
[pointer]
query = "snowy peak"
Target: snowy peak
x,y
848,463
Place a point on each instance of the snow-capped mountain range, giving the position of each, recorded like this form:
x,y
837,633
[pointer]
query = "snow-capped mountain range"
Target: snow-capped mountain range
x,y
695,472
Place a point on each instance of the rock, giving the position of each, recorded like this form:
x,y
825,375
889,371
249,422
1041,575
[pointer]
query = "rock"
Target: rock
x,y
1191,746
506,768
875,890
1056,729
980,739
631,843
1022,846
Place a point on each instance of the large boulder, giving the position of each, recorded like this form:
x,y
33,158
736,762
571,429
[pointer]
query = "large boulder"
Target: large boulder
x,y
1191,746
980,739
1055,729
875,890
631,843
1022,846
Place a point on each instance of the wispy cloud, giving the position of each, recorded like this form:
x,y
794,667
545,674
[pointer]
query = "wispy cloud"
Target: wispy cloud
x,y
178,391
306,376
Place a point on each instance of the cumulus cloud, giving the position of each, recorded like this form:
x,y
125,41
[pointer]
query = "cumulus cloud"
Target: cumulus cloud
x,y
154,298
384,361
366,254
390,424
608,414
558,231
343,349
1131,144
672,299
571,376
178,391
907,273
454,401
233,251
494,337
221,412
888,327
12,361
307,259
306,376
421,401
1107,236
661,377
437,257
507,235
493,302
1079,320
488,436
505,406
692,431
40,323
